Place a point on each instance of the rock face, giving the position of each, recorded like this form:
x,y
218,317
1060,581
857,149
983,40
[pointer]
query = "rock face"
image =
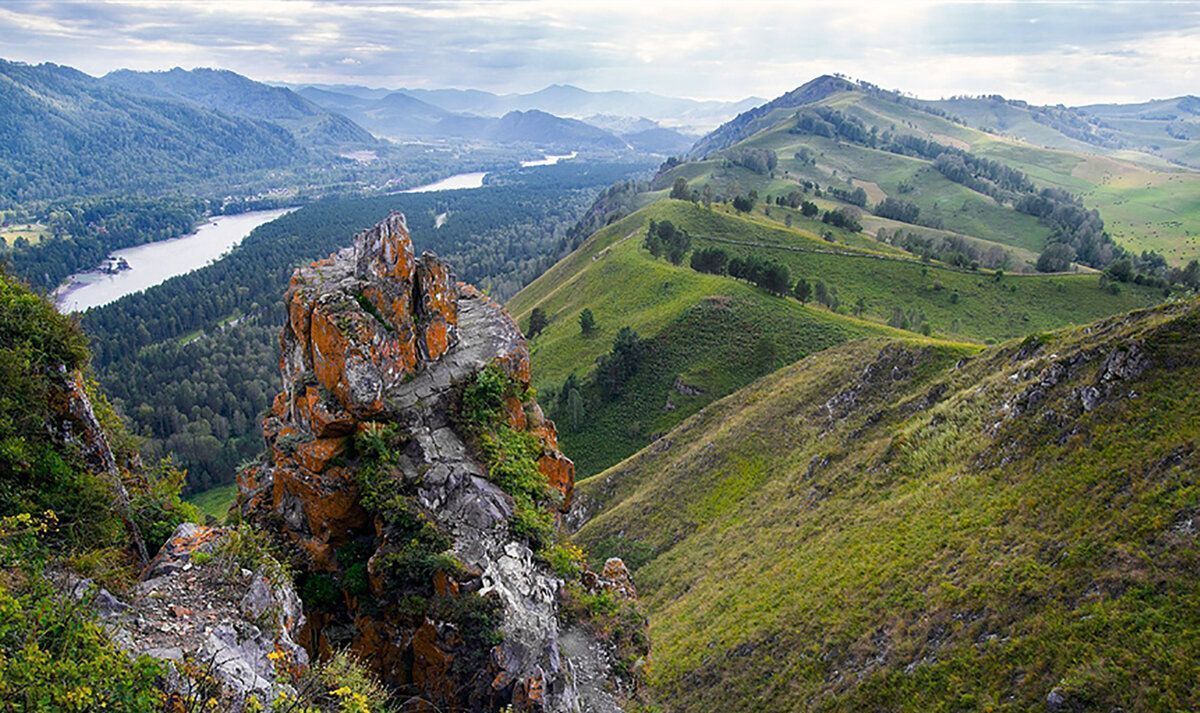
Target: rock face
x,y
215,623
376,339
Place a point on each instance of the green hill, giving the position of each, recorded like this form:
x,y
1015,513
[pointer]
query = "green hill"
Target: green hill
x,y
1146,203
709,335
904,525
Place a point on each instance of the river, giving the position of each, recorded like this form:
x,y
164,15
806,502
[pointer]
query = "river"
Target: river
x,y
460,181
153,263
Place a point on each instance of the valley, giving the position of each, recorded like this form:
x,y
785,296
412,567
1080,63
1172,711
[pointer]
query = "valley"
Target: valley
x,y
406,374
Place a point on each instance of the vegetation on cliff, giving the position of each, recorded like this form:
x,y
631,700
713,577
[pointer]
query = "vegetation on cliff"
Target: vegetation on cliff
x,y
65,468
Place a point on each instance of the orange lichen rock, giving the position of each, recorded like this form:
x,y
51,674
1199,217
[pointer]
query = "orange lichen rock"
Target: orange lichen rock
x,y
379,342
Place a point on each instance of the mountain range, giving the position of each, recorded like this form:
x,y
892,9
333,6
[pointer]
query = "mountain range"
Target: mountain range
x,y
571,101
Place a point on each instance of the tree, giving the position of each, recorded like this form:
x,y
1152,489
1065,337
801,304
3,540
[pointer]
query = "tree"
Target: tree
x,y
776,278
587,322
802,290
809,209
822,292
743,204
710,260
860,306
615,369
1056,258
537,322
664,239
680,189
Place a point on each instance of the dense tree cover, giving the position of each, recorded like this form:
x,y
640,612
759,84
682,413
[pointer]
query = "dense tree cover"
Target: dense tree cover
x,y
768,274
665,240
898,209
1056,258
847,218
831,123
745,204
614,369
759,160
856,196
83,233
200,400
711,260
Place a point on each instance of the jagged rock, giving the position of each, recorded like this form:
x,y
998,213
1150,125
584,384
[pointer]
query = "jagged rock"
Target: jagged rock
x,y
206,618
376,337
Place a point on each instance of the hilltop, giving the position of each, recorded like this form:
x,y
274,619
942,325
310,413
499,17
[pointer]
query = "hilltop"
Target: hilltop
x,y
911,525
845,135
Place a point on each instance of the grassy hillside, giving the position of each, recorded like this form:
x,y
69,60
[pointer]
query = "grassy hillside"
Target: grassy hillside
x,y
1147,203
709,335
910,526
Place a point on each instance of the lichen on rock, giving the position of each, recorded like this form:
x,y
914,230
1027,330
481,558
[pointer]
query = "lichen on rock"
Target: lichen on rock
x,y
411,548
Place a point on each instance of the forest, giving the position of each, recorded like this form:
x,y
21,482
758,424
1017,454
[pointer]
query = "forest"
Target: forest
x,y
194,374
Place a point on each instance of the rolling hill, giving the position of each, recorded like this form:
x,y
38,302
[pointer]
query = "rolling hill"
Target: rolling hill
x,y
909,525
710,335
1145,203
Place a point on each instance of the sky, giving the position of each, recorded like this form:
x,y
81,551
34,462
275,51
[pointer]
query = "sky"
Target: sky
x,y
1045,52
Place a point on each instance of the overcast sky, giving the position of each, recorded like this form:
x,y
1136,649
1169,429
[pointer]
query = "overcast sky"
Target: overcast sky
x,y
1050,52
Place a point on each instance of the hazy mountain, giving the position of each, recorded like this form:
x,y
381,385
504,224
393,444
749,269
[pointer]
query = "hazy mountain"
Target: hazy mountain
x,y
391,115
536,127
63,132
659,140
237,95
570,101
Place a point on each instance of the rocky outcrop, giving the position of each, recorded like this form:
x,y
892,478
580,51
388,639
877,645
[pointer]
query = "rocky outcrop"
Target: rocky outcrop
x,y
379,342
223,627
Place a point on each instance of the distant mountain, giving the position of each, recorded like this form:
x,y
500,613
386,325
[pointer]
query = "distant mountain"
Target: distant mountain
x,y
535,127
760,117
63,132
659,140
401,115
621,124
573,102
237,95
393,115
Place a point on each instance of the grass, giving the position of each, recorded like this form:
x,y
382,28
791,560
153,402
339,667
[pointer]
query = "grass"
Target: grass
x,y
33,232
716,334
1147,204
215,502
912,548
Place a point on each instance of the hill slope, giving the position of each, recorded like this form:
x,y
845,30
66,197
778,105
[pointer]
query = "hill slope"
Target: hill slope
x,y
709,335
66,133
233,94
1145,203
906,526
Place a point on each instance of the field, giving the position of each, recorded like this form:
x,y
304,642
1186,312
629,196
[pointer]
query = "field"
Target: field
x,y
33,232
1147,203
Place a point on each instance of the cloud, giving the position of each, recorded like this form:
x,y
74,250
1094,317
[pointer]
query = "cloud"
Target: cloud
x,y
1041,51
